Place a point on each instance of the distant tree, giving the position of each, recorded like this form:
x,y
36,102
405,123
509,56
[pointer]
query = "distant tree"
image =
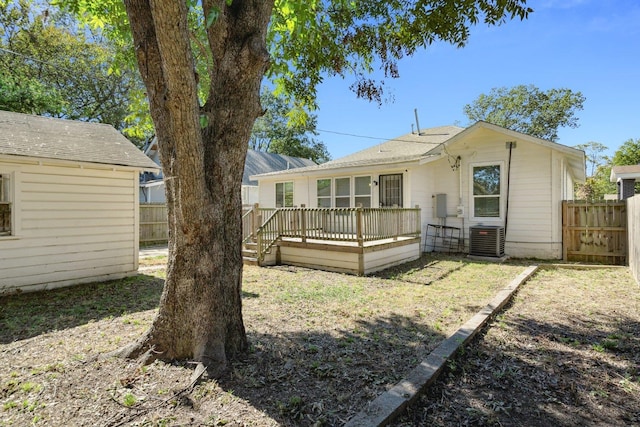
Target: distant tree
x,y
49,66
593,152
598,183
628,153
277,131
527,109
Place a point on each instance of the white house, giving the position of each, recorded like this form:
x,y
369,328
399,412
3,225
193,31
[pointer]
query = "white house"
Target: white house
x,y
462,179
68,201
257,162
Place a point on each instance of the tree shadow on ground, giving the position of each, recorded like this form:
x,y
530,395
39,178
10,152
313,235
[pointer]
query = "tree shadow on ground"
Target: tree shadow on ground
x,y
26,315
573,373
303,379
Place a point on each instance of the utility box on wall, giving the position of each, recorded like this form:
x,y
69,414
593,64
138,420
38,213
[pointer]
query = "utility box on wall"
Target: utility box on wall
x,y
439,205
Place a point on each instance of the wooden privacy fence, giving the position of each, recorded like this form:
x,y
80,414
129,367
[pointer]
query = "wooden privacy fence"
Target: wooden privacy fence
x,y
633,222
153,223
594,232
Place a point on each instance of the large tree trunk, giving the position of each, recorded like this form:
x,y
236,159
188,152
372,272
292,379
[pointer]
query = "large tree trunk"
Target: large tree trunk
x,y
203,150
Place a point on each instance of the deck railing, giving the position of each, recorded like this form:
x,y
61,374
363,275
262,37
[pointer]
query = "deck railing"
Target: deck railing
x,y
358,225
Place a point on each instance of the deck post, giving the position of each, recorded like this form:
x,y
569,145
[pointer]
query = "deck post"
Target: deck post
x,y
254,219
258,236
303,223
418,221
359,226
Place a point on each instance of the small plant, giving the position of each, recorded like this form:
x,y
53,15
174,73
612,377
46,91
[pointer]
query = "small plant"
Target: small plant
x,y
293,409
9,405
129,400
29,387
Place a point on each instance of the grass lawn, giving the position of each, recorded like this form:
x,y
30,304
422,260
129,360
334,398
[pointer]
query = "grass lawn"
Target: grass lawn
x,y
322,345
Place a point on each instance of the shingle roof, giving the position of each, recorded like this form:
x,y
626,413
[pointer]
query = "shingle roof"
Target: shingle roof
x,y
258,162
625,172
404,148
49,138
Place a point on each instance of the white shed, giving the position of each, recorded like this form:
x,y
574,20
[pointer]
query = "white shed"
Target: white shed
x,y
68,202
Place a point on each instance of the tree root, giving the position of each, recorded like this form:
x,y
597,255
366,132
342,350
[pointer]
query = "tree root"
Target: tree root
x,y
142,349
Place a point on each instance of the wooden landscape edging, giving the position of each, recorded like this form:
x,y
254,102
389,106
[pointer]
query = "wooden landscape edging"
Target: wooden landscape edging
x,y
387,406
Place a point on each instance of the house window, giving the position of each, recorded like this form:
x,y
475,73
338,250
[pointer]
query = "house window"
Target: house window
x,y
362,191
343,192
323,187
391,190
486,191
5,205
284,194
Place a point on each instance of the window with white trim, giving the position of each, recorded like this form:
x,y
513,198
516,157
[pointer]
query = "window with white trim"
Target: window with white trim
x,y
5,205
323,187
342,188
362,191
486,191
284,194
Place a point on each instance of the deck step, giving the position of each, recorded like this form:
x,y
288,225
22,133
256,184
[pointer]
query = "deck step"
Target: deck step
x,y
251,245
249,253
249,261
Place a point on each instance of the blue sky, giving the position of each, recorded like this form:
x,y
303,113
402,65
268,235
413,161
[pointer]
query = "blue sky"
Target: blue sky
x,y
591,46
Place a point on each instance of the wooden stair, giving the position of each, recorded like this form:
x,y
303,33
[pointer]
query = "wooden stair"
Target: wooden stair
x,y
250,253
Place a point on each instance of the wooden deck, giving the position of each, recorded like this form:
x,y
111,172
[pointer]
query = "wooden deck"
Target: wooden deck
x,y
349,240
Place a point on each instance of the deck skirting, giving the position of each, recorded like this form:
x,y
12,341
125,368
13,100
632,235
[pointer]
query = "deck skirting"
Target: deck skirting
x,y
348,257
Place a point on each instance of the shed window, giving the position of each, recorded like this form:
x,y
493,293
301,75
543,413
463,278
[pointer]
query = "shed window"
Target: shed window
x,y
486,191
5,205
284,194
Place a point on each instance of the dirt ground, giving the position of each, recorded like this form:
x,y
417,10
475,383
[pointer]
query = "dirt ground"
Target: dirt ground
x,y
566,351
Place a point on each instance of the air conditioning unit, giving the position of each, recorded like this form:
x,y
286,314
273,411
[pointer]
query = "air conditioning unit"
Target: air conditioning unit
x,y
486,240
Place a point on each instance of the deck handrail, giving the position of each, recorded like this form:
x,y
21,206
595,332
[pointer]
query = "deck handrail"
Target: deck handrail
x,y
358,225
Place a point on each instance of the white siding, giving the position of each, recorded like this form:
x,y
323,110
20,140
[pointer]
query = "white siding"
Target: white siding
x,y
76,225
535,191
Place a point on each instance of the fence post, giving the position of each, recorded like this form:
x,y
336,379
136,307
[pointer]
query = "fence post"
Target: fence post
x,y
359,225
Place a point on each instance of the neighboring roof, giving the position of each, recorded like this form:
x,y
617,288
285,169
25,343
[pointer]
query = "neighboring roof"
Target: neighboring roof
x,y
625,172
48,138
258,162
428,145
405,148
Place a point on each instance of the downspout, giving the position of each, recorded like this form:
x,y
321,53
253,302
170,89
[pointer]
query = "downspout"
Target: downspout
x,y
506,213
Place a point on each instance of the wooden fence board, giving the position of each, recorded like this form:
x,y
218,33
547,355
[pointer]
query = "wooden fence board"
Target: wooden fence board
x,y
153,223
594,232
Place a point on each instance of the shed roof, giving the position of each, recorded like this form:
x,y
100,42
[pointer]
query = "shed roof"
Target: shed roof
x,y
70,140
625,172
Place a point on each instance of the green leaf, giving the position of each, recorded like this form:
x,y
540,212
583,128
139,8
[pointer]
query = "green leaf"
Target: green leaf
x,y
213,16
